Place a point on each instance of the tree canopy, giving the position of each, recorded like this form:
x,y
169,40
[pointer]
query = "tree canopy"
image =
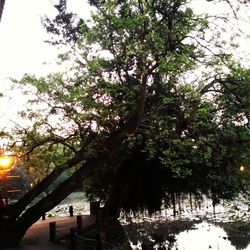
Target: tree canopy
x,y
150,105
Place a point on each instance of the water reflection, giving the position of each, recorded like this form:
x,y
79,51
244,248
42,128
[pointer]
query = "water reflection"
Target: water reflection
x,y
205,236
180,235
238,233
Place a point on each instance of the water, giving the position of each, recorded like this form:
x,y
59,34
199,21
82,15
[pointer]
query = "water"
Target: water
x,y
196,236
205,236
195,230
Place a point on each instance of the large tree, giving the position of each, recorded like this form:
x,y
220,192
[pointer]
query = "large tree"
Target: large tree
x,y
151,104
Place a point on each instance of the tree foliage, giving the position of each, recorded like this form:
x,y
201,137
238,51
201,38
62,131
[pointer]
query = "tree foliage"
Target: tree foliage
x,y
143,111
189,129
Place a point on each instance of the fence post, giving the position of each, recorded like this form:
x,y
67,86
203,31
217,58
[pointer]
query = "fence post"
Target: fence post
x,y
71,211
52,231
72,239
79,223
94,207
44,217
98,241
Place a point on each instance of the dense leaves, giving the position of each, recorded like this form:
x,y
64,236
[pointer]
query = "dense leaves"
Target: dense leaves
x,y
189,139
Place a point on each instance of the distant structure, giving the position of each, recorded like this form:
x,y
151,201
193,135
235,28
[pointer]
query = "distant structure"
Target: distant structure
x,y
1,7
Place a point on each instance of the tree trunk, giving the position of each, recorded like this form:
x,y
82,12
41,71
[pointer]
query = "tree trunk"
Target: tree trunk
x,y
173,204
15,209
111,209
10,232
13,228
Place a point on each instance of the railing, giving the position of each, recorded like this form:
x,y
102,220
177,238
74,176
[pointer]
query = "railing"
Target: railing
x,y
96,243
56,233
88,238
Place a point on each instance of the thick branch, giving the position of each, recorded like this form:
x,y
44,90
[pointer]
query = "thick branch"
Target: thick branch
x,y
17,208
92,165
87,170
207,87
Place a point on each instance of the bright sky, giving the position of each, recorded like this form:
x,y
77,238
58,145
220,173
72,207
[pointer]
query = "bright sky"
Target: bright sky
x,y
22,47
21,43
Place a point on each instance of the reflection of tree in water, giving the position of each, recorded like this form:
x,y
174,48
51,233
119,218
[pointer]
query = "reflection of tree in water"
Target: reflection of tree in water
x,y
238,233
156,233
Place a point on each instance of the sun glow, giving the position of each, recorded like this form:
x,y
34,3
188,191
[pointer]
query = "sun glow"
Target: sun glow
x,y
7,163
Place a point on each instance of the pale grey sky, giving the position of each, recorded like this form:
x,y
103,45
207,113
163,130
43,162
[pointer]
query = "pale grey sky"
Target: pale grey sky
x,y
22,47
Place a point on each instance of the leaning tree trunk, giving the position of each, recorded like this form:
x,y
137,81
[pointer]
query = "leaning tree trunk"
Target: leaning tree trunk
x,y
16,209
13,228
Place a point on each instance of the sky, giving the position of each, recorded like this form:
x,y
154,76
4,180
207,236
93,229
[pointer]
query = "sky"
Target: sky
x,y
23,50
22,47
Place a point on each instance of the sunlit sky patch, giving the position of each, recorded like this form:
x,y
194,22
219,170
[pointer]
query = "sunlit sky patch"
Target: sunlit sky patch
x,y
23,50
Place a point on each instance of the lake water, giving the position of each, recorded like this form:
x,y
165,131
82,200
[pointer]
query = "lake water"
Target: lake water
x,y
205,236
198,236
193,230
